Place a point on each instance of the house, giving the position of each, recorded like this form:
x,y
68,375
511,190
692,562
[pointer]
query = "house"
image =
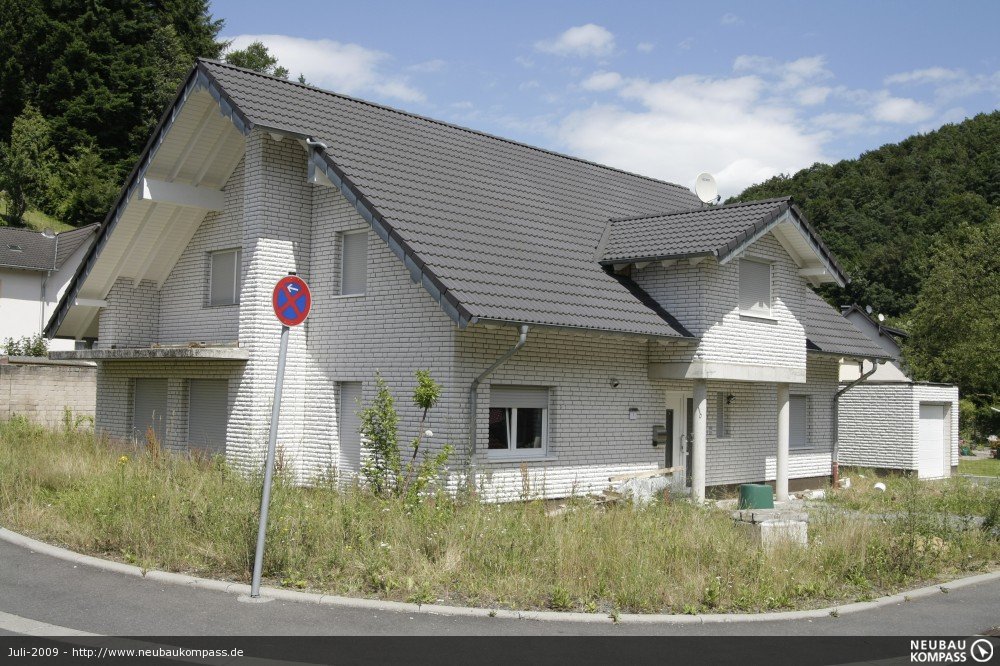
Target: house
x,y
35,268
584,321
890,422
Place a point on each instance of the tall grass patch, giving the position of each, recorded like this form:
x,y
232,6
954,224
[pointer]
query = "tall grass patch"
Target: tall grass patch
x,y
140,505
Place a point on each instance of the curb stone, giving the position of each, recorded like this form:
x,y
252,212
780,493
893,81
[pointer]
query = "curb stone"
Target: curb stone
x,y
230,587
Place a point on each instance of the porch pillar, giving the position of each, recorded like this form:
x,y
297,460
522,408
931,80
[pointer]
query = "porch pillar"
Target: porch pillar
x,y
781,473
700,431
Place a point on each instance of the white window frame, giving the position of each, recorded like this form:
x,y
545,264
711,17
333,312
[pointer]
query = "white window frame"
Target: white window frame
x,y
752,312
512,452
722,425
237,269
808,443
343,262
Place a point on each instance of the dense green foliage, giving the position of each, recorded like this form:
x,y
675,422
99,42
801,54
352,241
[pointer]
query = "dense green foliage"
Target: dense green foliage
x,y
26,164
100,73
881,213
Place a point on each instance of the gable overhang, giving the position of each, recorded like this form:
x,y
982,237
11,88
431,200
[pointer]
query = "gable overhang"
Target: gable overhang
x,y
178,179
798,238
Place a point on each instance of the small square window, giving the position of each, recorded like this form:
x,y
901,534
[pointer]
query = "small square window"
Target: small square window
x,y
518,420
224,277
755,288
354,263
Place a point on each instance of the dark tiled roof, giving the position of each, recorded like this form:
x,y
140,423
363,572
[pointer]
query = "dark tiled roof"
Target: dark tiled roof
x,y
509,230
827,331
710,230
31,250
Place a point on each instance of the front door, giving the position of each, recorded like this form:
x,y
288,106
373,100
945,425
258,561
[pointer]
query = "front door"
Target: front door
x,y
679,422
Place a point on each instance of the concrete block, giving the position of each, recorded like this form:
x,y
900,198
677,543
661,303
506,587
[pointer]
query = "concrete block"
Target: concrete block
x,y
770,533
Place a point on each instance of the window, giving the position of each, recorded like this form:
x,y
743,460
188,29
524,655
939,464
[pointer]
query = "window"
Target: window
x,y
149,408
349,425
518,420
208,413
721,416
354,263
798,422
755,288
224,277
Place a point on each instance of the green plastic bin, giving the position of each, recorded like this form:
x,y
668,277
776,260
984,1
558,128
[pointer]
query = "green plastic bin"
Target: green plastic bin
x,y
756,496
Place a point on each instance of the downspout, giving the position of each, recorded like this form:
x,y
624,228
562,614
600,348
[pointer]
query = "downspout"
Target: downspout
x,y
474,388
835,464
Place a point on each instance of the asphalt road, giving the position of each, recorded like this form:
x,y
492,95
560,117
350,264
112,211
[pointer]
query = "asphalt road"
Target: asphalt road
x,y
45,589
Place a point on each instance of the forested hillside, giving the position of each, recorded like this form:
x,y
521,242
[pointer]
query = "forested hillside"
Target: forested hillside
x,y
917,225
882,212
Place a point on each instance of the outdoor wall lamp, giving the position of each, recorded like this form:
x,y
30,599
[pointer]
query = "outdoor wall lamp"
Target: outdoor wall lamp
x,y
614,382
729,398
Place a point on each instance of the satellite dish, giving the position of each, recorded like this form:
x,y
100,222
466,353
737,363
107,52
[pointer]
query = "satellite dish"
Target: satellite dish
x,y
48,232
881,317
705,188
868,309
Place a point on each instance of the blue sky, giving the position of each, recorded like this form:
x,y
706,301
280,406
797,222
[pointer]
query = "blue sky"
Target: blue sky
x,y
742,90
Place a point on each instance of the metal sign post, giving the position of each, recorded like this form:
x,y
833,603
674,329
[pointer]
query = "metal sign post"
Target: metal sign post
x,y
291,301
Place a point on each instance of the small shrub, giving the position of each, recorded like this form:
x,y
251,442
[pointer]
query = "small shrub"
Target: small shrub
x,y
26,346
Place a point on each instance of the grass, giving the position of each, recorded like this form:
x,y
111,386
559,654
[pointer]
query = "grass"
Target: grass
x,y
956,495
199,516
981,467
35,220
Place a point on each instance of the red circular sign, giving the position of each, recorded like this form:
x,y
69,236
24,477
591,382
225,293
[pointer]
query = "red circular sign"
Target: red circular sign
x,y
291,300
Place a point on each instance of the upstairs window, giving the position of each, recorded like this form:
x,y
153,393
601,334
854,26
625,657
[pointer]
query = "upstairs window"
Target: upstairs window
x,y
798,422
755,288
518,420
354,263
224,277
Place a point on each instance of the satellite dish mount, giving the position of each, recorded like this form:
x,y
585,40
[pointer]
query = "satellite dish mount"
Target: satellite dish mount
x,y
706,189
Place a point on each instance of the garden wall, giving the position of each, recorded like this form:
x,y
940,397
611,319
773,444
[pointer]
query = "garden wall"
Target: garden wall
x,y
41,389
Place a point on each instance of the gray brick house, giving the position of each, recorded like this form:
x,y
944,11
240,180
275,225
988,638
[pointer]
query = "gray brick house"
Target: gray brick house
x,y
584,321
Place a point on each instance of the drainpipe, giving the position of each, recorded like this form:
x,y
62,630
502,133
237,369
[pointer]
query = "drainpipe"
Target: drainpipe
x,y
835,466
474,388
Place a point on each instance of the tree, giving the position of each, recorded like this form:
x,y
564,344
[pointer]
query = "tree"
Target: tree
x,y
26,164
87,186
955,329
257,57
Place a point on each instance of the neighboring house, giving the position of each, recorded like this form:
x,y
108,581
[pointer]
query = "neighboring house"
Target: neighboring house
x,y
890,422
584,322
35,268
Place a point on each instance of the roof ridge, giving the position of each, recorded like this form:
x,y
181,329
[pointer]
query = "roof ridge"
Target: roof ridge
x,y
706,209
443,123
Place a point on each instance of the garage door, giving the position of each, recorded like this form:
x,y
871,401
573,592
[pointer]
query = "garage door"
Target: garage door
x,y
350,438
932,442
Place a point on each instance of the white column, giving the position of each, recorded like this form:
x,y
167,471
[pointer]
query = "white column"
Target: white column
x,y
781,474
699,441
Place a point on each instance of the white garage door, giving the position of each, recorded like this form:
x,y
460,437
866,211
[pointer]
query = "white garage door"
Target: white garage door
x,y
350,438
932,442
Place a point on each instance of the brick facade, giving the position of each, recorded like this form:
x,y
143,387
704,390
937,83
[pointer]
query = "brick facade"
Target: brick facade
x,y
283,223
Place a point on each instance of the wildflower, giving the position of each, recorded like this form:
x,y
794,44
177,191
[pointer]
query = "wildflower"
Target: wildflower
x,y
428,433
123,460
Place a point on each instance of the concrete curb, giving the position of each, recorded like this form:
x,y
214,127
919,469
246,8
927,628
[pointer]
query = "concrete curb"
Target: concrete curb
x,y
462,611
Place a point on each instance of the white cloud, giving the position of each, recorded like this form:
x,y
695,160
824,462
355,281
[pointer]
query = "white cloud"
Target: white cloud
x,y
813,95
686,44
792,74
527,63
601,81
582,41
842,123
900,110
346,68
730,19
645,47
920,76
428,67
674,128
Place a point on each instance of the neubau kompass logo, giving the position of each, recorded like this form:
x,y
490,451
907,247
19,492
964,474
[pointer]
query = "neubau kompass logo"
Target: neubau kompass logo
x,y
951,651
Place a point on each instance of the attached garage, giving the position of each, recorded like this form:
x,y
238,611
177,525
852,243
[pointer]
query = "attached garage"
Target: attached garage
x,y
905,426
